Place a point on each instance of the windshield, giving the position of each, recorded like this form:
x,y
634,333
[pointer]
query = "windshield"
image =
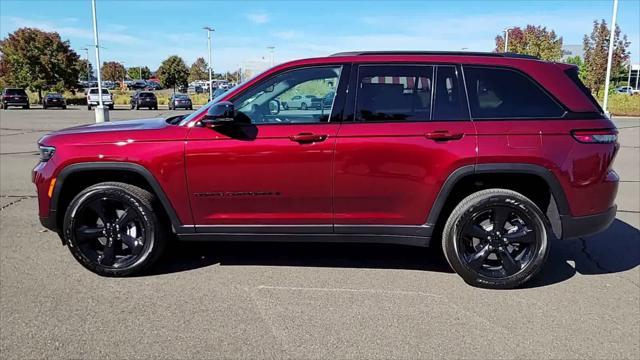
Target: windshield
x,y
95,91
206,106
15,92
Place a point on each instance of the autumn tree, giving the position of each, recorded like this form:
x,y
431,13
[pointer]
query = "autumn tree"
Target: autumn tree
x,y
596,53
173,72
532,40
139,72
112,71
199,70
37,60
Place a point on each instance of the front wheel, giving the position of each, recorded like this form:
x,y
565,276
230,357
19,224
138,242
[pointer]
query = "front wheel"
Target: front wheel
x,y
496,238
112,229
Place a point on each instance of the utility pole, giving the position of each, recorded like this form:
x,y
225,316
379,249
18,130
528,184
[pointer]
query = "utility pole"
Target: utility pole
x,y
102,114
271,48
209,30
612,40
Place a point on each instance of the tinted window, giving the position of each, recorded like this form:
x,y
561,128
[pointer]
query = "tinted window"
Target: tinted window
x,y
146,95
259,104
503,93
394,93
15,92
573,75
449,102
95,91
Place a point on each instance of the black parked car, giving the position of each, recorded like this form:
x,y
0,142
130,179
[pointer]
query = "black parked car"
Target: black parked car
x,y
152,85
14,97
54,100
180,101
137,85
144,99
324,102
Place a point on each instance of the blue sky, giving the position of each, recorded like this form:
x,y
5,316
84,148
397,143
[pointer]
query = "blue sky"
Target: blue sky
x,y
146,32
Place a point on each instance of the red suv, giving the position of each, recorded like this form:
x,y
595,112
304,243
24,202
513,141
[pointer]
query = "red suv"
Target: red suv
x,y
491,154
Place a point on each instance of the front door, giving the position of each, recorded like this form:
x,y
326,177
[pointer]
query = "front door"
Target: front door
x,y
272,170
409,130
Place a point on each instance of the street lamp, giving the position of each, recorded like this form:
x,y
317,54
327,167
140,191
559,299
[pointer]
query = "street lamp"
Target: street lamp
x,y
271,48
506,39
88,63
209,30
102,114
612,40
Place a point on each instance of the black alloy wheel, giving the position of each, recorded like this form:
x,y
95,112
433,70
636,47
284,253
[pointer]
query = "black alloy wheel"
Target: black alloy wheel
x,y
112,230
496,238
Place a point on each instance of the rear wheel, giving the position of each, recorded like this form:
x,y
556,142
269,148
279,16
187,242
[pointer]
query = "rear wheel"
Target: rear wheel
x,y
88,107
26,106
496,238
111,229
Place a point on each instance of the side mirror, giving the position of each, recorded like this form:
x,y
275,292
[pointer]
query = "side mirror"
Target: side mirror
x,y
274,107
219,113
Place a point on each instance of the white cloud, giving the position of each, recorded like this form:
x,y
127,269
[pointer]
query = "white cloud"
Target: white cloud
x,y
258,18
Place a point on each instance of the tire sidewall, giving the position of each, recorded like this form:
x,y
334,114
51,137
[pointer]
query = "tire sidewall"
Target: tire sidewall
x,y
464,211
147,217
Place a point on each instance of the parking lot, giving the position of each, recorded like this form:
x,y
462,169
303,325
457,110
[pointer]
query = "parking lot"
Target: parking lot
x,y
305,300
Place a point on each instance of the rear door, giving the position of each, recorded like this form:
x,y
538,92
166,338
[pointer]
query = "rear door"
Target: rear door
x,y
408,128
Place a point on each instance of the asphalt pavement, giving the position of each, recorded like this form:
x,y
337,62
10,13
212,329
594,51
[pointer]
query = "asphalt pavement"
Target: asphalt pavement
x,y
298,301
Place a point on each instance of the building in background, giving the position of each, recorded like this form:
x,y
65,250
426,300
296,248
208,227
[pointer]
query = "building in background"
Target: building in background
x,y
571,50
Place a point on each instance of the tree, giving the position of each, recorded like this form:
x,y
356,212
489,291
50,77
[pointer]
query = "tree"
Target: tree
x,y
173,71
141,72
596,53
199,70
37,60
85,69
112,71
577,61
533,40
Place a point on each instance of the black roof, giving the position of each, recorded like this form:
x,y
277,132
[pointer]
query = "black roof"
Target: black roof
x,y
456,53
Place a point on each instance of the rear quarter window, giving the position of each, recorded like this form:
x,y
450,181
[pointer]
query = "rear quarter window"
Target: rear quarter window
x,y
497,93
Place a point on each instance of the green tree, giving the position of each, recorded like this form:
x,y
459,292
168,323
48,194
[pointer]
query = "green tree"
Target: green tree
x,y
532,40
199,70
173,72
577,61
85,69
136,72
37,60
596,53
112,71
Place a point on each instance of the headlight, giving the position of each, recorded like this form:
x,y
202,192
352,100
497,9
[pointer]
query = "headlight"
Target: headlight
x,y
46,152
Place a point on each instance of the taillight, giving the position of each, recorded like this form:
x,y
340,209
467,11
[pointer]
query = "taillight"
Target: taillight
x,y
596,136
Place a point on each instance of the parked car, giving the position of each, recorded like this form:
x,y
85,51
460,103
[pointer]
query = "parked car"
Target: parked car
x,y
194,89
491,165
54,100
94,100
144,99
627,90
299,102
14,97
151,86
110,85
324,102
180,101
137,85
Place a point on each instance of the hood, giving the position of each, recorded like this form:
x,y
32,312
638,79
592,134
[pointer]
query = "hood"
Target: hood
x,y
127,125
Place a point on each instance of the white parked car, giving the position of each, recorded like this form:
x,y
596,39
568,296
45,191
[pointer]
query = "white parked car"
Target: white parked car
x,y
627,90
93,100
302,102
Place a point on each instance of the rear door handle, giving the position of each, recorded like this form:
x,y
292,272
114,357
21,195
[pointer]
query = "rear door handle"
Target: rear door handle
x,y
306,138
443,135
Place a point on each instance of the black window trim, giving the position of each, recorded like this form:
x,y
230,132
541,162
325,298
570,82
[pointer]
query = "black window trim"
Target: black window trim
x,y
337,108
508,68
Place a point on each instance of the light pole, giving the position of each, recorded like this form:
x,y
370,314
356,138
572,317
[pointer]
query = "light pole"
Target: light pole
x,y
629,78
506,39
612,40
271,48
88,63
209,30
102,114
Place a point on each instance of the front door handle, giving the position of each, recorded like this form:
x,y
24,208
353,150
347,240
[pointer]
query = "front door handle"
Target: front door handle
x,y
443,135
306,138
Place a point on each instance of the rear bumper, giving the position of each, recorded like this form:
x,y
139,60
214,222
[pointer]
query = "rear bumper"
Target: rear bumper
x,y
577,226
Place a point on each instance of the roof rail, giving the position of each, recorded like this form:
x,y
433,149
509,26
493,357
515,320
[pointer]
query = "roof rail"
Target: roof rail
x,y
456,53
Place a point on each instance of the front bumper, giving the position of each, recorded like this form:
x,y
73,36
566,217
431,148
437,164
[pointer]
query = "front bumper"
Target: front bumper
x,y
578,226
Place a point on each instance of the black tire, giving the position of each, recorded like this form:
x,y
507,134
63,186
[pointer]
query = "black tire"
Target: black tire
x,y
64,107
190,108
137,107
155,107
26,107
44,107
2,105
111,107
506,257
139,244
88,107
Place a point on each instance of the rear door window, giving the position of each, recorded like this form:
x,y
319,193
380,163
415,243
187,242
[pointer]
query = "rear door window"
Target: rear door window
x,y
394,93
496,93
